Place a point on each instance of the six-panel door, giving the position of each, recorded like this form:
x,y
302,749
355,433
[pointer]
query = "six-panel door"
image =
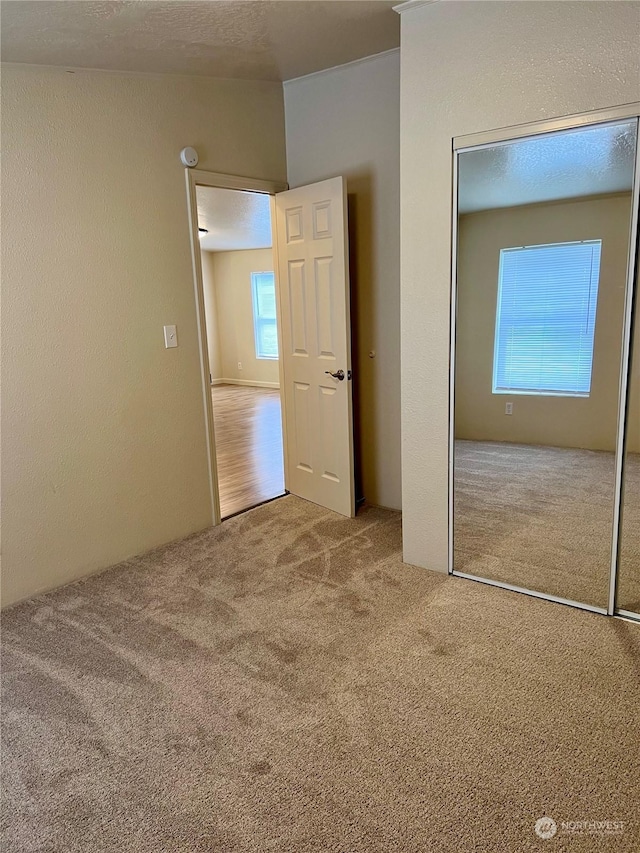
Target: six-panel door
x,y
311,224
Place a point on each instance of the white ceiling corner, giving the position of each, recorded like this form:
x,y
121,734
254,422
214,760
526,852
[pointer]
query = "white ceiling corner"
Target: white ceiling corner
x,y
401,8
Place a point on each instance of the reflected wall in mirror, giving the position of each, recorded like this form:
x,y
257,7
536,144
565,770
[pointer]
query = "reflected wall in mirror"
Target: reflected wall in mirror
x,y
542,253
628,592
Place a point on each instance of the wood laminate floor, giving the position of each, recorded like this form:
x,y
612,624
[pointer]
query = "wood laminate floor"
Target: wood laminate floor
x,y
248,429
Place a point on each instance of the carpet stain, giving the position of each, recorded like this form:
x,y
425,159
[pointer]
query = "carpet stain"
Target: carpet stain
x,y
286,655
436,646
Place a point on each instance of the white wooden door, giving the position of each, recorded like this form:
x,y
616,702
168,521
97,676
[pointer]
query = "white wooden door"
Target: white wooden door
x,y
315,342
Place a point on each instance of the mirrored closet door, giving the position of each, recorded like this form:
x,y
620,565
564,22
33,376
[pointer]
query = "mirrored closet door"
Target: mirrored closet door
x,y
542,299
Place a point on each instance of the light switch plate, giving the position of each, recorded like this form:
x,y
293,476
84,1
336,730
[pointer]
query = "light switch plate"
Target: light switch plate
x,y
170,337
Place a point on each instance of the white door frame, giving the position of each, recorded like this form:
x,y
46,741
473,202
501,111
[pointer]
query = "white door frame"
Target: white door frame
x,y
506,136
198,178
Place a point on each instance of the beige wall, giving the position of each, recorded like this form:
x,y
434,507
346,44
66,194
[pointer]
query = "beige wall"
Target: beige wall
x,y
554,59
561,421
232,282
103,434
346,122
211,315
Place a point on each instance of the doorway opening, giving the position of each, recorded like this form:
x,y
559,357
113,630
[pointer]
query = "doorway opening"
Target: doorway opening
x,y
311,334
240,313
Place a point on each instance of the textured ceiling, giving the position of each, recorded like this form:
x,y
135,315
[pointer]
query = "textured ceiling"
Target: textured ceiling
x,y
568,164
234,219
251,39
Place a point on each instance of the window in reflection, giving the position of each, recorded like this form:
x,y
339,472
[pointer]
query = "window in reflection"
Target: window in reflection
x,y
546,319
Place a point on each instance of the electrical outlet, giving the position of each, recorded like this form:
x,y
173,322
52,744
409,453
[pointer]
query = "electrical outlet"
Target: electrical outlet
x,y
508,409
239,365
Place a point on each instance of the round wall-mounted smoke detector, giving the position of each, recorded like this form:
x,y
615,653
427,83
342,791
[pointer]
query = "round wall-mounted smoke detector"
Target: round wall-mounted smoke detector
x,y
189,157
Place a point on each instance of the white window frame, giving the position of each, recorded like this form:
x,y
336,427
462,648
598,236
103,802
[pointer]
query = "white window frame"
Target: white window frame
x,y
258,321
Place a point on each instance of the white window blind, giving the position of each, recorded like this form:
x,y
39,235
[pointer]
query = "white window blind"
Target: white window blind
x,y
263,288
546,318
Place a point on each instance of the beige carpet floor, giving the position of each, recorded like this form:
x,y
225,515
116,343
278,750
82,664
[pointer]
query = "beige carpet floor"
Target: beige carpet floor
x,y
541,518
285,683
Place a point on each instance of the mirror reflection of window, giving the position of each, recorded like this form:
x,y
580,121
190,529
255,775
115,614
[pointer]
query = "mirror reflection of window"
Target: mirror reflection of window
x,y
542,250
546,318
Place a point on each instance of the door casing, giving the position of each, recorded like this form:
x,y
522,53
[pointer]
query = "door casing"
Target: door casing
x,y
199,178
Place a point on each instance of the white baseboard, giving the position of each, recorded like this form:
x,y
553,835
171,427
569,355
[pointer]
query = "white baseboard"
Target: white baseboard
x,y
256,383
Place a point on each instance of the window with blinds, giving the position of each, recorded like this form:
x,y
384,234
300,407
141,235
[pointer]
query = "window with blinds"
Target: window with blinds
x,y
546,319
263,288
